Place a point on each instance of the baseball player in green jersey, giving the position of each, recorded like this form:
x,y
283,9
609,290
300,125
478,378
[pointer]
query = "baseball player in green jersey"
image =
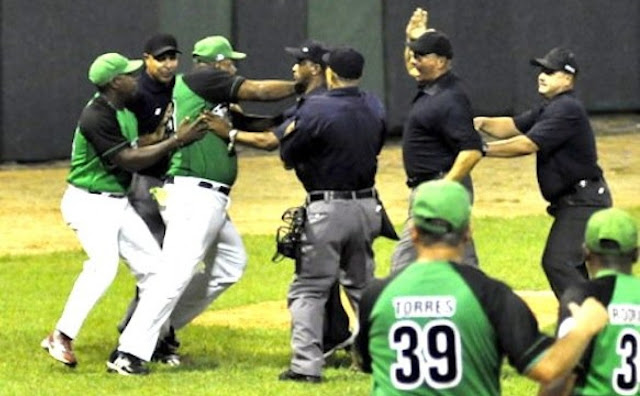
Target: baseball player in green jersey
x,y
198,228
105,152
611,363
442,328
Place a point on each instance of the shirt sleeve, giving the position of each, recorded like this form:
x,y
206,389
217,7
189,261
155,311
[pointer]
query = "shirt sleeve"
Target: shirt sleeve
x,y
457,124
102,131
524,121
295,145
516,327
214,85
554,126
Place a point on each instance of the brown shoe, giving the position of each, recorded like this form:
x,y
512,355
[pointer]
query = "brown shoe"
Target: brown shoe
x,y
60,348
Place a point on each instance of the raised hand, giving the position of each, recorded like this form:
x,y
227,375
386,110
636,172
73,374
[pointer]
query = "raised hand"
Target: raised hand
x,y
417,24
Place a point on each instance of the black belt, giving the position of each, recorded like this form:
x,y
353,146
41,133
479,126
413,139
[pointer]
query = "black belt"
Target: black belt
x,y
414,181
223,189
580,184
334,194
107,194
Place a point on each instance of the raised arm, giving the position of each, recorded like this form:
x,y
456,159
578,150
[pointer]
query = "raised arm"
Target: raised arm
x,y
416,27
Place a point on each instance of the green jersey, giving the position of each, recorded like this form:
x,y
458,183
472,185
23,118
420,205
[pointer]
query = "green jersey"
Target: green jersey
x,y
439,328
611,364
102,132
201,90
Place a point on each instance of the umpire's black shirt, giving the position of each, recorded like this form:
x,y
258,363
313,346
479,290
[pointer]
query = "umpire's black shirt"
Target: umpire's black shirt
x,y
336,140
439,126
148,104
567,148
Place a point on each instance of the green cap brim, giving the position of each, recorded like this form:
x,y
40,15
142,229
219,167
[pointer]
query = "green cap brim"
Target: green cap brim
x,y
238,55
132,66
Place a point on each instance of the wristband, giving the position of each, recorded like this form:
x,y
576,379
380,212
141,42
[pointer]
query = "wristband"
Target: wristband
x,y
232,139
485,148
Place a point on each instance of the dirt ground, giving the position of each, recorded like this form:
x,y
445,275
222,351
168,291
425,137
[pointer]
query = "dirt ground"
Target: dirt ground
x,y
30,220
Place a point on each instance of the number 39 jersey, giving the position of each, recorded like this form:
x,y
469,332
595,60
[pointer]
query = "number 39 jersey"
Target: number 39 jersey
x,y
611,364
440,328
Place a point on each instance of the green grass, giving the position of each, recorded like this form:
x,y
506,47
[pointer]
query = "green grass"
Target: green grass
x,y
218,360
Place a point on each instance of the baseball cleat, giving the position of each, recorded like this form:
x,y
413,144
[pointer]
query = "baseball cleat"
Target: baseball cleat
x,y
125,363
290,375
167,350
60,347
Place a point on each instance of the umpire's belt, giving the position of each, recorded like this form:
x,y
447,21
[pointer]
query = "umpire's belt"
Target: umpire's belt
x,y
336,194
195,181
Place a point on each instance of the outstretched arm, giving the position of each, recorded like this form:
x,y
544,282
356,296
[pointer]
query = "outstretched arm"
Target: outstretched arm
x,y
497,127
513,147
266,90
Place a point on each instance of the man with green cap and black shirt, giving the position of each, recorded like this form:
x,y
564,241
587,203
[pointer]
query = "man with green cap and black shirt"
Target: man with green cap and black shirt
x,y
197,188
611,364
105,151
442,328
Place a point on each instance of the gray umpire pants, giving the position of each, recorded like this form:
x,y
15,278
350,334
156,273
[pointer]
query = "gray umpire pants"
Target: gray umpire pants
x,y
405,253
336,245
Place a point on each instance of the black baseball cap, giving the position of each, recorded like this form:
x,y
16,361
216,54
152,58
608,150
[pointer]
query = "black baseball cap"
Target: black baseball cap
x,y
345,62
432,42
311,50
161,43
558,59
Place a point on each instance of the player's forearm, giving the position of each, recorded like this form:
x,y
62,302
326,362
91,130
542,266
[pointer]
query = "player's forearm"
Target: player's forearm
x,y
513,147
266,140
498,127
134,159
266,90
464,163
561,387
561,358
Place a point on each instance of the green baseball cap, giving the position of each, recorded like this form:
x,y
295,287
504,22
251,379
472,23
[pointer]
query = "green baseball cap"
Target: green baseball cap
x,y
107,66
216,48
441,206
614,225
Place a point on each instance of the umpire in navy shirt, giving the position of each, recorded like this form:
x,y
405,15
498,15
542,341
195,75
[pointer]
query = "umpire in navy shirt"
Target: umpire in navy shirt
x,y
333,145
438,141
560,134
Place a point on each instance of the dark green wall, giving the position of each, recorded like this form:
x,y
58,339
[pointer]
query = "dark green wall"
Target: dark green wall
x,y
47,47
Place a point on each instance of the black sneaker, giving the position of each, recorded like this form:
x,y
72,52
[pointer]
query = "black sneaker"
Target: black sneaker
x,y
167,350
165,353
125,363
289,375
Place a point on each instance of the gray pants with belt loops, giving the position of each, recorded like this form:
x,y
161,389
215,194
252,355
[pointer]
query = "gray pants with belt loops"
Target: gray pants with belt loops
x,y
336,245
405,253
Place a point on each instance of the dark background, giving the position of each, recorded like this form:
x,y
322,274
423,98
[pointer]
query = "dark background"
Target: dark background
x,y
47,47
